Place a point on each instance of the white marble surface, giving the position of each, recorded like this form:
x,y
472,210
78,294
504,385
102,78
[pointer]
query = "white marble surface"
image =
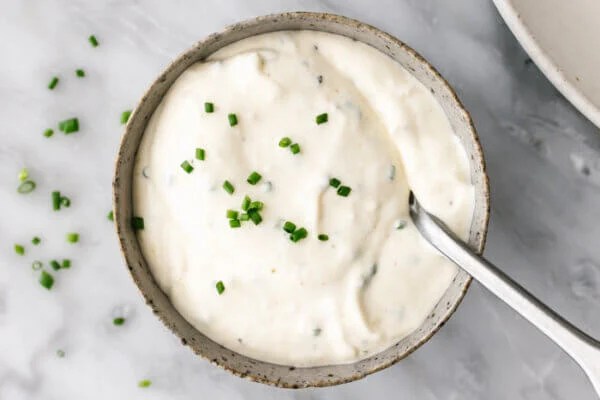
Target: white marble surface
x,y
543,165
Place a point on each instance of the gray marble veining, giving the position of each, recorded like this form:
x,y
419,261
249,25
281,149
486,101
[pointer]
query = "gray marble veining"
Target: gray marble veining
x,y
543,165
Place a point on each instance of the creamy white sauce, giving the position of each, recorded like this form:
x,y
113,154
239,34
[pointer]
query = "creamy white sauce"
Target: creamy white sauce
x,y
311,302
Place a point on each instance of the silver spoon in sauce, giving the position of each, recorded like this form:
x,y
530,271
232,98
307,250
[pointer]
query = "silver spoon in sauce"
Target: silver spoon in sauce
x,y
584,349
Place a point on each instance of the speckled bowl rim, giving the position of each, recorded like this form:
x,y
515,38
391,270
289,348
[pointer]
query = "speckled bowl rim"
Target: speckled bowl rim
x,y
122,218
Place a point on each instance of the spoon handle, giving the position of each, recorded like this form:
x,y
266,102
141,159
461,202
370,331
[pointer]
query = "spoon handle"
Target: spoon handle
x,y
582,348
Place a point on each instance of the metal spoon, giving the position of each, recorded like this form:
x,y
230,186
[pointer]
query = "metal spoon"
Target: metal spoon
x,y
584,349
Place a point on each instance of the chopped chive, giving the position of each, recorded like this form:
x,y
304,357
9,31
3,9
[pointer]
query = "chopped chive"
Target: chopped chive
x,y
65,201
111,215
334,182
255,216
137,223
289,226
80,73
344,191
118,321
72,237
56,200
66,264
200,154
323,237
125,116
187,167
254,178
233,121
55,265
234,223
285,142
232,214
246,203
46,280
26,187
256,205
23,175
144,383
60,353
220,287
209,107
36,240
70,125
298,234
36,265
19,249
295,148
400,224
48,132
321,118
53,83
228,187
93,41
244,217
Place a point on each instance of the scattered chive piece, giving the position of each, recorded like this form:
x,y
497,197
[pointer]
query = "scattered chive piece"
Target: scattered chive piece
x,y
323,237
233,121
285,142
60,353
246,203
255,216
46,280
334,182
400,224
232,214
144,383
125,116
234,223
65,201
55,265
93,41
256,205
111,215
295,148
72,237
118,321
344,191
53,83
26,187
56,200
80,73
23,175
209,107
70,125
200,154
66,264
187,167
298,234
19,249
321,118
36,240
254,178
220,287
36,265
289,226
137,223
228,187
244,217
48,132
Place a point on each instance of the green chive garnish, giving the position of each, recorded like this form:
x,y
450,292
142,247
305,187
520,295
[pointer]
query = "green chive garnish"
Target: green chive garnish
x,y
66,264
53,83
220,287
321,118
46,280
55,265
255,216
200,154
233,121
70,125
232,214
36,240
125,116
244,217
23,175
323,237
19,249
285,142
144,383
256,205
228,187
289,226
60,353
65,201
334,182
80,73
209,107
48,133
137,223
298,234
344,191
56,200
72,237
254,178
246,203
93,41
187,167
111,215
234,223
36,265
26,187
295,148
118,321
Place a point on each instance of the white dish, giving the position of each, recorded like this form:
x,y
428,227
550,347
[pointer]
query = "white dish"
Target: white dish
x,y
560,36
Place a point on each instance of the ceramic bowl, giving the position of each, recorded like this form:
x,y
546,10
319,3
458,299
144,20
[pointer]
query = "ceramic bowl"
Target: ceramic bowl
x,y
281,375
